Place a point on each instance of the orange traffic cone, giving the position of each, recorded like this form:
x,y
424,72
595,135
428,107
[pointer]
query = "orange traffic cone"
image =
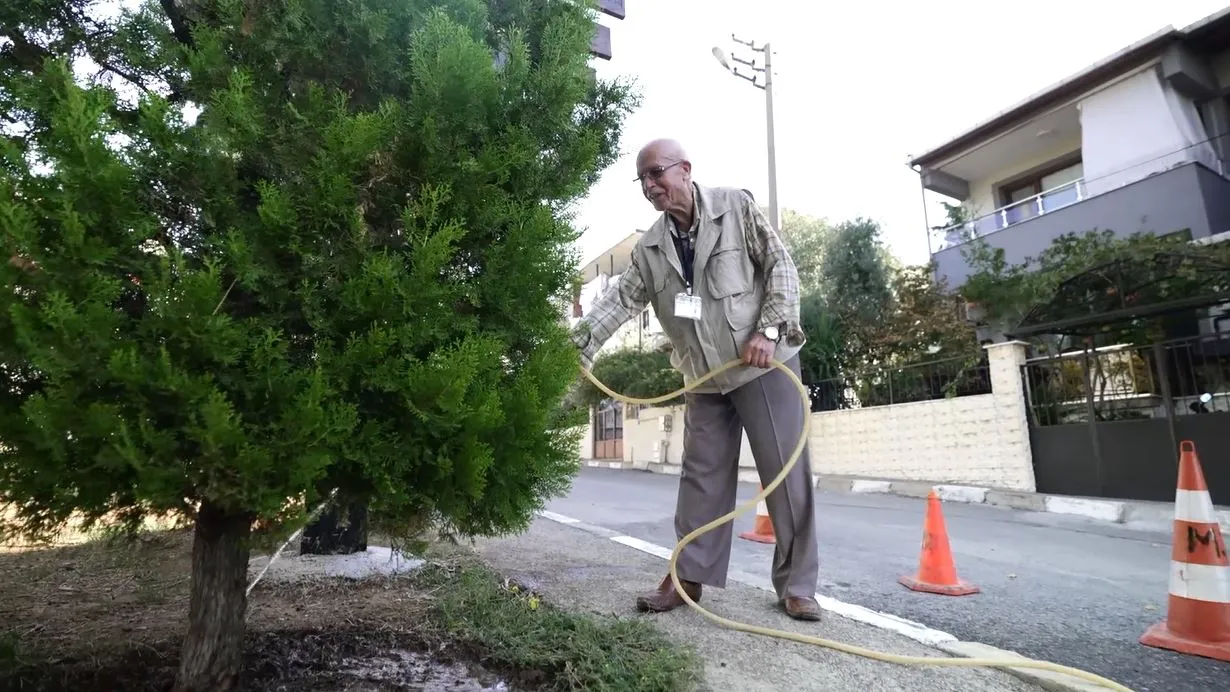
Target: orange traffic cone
x,y
762,530
1198,615
936,571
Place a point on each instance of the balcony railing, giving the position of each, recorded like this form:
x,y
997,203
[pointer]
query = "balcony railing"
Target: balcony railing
x,y
1017,212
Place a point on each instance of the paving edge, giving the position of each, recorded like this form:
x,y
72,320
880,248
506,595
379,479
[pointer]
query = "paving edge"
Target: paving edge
x,y
1053,681
1152,516
1047,680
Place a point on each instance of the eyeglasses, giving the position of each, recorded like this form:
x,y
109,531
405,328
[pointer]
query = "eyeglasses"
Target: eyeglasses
x,y
655,173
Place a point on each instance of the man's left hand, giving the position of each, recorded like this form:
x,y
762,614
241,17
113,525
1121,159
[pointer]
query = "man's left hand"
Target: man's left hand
x,y
758,352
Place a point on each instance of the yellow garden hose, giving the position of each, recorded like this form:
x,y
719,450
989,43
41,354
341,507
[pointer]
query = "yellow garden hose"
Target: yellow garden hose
x,y
764,492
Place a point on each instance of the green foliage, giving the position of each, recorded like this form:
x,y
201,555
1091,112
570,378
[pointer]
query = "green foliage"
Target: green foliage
x,y
954,214
822,355
926,322
806,238
857,286
517,631
343,273
635,373
1006,293
871,316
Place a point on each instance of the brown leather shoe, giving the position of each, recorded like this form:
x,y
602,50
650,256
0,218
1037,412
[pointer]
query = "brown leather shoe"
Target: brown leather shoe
x,y
665,598
801,608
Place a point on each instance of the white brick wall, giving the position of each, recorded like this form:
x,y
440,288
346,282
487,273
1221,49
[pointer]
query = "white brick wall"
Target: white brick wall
x,y
974,440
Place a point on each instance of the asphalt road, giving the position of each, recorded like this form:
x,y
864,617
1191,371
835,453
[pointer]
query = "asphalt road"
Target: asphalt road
x,y
1063,589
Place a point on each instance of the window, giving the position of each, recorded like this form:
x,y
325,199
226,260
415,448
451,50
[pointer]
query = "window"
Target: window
x,y
1055,181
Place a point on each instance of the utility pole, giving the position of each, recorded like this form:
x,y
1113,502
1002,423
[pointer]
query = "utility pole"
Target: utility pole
x,y
767,87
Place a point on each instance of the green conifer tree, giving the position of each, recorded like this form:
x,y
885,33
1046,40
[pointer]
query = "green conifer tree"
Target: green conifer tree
x,y
262,248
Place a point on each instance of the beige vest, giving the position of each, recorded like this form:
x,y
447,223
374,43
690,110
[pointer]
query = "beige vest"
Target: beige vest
x,y
731,288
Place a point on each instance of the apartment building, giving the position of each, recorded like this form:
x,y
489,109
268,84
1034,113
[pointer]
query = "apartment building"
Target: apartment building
x,y
644,332
1139,141
606,428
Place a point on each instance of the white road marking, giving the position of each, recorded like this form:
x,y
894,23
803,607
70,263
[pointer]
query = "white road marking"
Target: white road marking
x,y
643,546
559,518
885,621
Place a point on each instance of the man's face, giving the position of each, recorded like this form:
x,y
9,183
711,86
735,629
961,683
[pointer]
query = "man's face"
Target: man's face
x,y
664,180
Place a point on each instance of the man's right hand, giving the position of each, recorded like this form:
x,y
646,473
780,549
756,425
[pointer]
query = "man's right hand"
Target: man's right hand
x,y
580,337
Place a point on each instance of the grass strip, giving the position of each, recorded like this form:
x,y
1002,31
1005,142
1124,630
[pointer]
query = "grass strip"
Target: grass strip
x,y
508,627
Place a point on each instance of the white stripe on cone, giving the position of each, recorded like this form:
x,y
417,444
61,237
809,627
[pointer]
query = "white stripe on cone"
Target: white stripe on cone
x,y
1194,506
1199,582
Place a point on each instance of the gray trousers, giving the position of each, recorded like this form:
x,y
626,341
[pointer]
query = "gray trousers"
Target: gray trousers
x,y
769,409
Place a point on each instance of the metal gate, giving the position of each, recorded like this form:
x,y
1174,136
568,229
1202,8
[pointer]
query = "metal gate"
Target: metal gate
x,y
1108,422
609,431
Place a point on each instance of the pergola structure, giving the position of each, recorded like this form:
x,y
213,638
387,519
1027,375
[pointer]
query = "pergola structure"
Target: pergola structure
x,y
1126,290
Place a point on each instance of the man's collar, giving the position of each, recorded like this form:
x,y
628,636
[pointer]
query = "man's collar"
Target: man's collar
x,y
673,226
708,205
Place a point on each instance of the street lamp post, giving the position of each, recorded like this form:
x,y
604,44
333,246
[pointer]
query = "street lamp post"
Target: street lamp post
x,y
767,87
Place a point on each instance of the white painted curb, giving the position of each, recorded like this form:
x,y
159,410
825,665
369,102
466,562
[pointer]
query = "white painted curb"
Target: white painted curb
x,y
1103,510
961,493
861,486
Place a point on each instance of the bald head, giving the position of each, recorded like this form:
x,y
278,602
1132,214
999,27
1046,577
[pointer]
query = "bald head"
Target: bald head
x,y
665,174
662,149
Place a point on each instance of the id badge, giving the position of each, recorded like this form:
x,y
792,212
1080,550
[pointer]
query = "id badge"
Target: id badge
x,y
687,306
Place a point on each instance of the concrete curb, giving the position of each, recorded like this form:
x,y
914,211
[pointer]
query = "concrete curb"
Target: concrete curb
x,y
1135,514
1046,679
1148,516
943,641
616,465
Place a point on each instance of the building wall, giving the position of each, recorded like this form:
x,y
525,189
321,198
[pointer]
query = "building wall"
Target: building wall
x,y
1129,130
977,440
982,192
1136,128
1220,65
635,333
585,442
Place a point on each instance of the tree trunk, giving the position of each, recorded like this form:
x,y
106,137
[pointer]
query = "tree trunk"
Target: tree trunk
x,y
212,655
331,535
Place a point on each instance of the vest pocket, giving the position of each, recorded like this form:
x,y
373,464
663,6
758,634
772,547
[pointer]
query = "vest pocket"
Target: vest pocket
x,y
727,272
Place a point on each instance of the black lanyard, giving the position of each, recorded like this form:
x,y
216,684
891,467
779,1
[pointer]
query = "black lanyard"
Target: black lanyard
x,y
687,255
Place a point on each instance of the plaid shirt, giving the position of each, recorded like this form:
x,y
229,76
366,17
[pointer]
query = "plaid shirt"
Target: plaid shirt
x,y
628,297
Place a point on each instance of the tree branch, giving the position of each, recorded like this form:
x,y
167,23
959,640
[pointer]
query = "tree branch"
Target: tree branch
x,y
26,54
123,74
181,26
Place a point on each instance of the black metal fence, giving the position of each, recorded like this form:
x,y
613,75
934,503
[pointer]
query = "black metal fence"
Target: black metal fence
x,y
1131,382
939,379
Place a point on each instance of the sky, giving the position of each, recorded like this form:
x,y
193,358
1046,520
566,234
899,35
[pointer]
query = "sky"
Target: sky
x,y
859,87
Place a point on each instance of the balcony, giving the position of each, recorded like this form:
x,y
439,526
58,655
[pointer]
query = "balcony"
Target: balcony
x,y
1188,196
1017,212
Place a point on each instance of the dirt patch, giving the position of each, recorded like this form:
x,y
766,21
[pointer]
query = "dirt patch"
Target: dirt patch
x,y
109,615
87,599
356,660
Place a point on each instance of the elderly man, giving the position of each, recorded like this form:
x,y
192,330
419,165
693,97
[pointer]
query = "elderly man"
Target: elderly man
x,y
723,286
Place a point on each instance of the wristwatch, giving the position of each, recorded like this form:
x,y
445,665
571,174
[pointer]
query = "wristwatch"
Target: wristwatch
x,y
772,334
